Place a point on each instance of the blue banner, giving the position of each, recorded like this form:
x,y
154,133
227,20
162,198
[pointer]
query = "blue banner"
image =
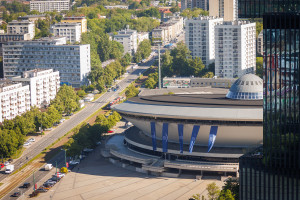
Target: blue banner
x,y
193,137
153,134
212,137
165,137
180,134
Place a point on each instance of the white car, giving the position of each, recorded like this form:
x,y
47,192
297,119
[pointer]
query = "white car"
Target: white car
x,y
74,162
31,140
26,144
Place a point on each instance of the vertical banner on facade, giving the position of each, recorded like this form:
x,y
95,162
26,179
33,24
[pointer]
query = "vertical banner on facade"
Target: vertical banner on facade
x,y
180,134
165,137
212,137
153,134
193,137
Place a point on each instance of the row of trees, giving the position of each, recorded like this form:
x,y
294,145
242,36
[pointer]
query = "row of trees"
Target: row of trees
x,y
131,91
230,191
179,62
88,135
143,51
152,80
195,12
13,132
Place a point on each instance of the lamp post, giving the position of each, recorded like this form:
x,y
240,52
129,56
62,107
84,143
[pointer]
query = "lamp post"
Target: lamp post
x,y
65,157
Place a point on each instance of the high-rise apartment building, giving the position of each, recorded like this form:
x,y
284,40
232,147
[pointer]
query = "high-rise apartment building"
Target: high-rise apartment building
x,y
203,4
72,61
226,9
43,85
200,37
260,43
21,27
72,31
128,38
49,6
15,99
81,20
235,51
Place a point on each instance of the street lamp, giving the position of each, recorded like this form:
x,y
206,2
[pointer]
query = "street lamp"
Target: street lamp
x,y
65,157
159,69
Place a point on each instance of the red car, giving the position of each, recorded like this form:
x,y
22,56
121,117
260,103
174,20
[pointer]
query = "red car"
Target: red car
x,y
110,131
1,165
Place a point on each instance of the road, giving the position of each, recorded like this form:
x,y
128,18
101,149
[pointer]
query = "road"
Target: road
x,y
76,119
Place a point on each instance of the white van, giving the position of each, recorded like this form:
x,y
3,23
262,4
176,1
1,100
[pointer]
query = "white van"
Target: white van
x,y
48,167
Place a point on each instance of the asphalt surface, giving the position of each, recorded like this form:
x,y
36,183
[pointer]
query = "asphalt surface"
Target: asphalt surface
x,y
72,122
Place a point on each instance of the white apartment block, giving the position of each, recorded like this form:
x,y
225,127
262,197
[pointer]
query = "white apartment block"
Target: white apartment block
x,y
116,7
15,99
54,5
21,27
200,37
235,51
168,31
128,38
203,4
72,61
142,36
260,43
226,9
72,31
43,85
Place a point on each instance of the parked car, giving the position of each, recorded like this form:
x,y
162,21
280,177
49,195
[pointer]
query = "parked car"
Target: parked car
x,y
60,175
87,150
49,185
16,194
26,185
26,144
1,165
50,181
61,121
110,131
41,190
74,162
55,178
31,140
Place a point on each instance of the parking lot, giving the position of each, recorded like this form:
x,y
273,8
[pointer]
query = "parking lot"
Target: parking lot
x,y
96,178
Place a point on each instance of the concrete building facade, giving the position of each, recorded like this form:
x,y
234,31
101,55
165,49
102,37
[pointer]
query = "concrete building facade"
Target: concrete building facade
x,y
128,38
43,85
81,20
72,61
15,99
200,37
52,5
168,31
226,9
72,31
203,4
21,27
235,49
260,43
14,37
142,36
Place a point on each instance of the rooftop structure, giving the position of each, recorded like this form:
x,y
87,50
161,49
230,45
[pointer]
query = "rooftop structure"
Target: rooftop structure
x,y
32,18
81,20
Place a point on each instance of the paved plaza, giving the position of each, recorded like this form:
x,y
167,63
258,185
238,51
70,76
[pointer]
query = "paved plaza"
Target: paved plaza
x,y
96,178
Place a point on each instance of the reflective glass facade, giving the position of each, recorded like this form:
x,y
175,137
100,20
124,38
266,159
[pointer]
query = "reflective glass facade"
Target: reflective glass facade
x,y
273,172
244,95
256,8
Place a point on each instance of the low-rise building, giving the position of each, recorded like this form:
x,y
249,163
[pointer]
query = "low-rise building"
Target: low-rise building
x,y
128,38
72,31
49,6
168,31
81,20
15,99
116,6
21,27
72,61
43,85
142,36
32,18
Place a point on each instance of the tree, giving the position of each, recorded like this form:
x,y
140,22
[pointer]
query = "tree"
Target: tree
x,y
152,80
117,50
233,186
175,9
259,66
208,75
66,100
53,114
144,49
131,91
213,191
226,195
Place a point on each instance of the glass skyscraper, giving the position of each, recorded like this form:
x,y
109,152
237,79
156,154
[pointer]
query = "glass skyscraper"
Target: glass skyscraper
x,y
256,8
272,172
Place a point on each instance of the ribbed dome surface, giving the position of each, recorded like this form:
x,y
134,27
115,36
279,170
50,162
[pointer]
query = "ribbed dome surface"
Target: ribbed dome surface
x,y
248,87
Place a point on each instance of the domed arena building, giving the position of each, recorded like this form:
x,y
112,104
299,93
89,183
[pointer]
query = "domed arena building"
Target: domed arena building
x,y
203,131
